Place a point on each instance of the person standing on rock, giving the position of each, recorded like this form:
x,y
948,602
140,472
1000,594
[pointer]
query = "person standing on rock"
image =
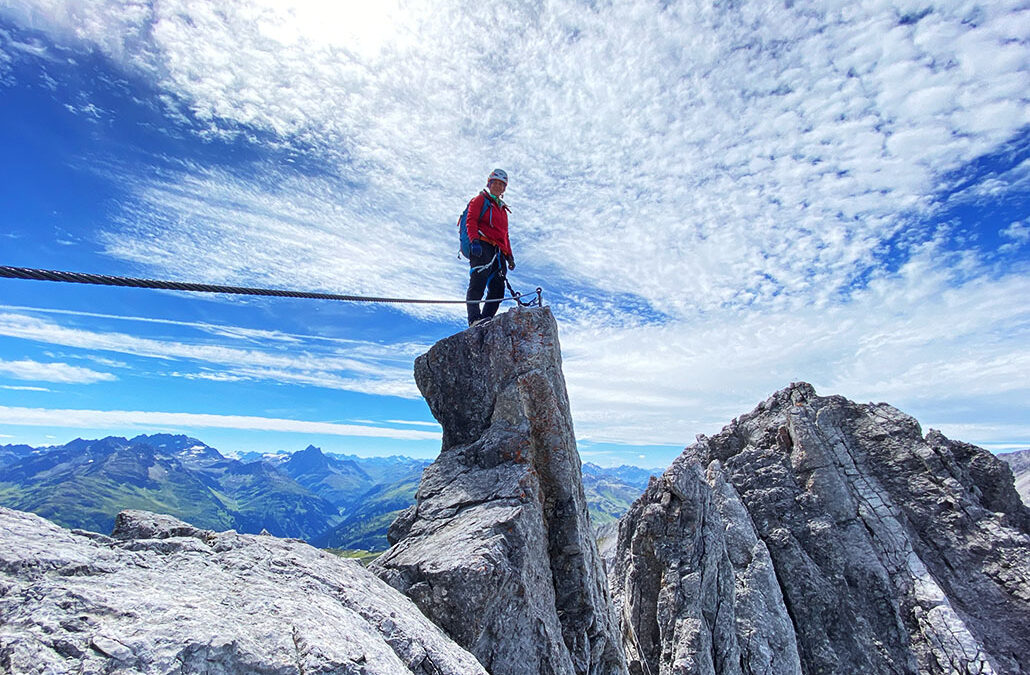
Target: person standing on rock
x,y
489,249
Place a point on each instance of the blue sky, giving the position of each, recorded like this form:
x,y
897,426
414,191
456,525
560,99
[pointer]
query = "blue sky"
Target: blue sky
x,y
718,199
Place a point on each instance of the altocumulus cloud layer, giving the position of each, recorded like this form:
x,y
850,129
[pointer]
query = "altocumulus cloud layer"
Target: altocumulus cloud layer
x,y
722,197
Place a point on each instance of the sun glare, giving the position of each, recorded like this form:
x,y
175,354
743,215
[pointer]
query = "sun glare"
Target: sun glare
x,y
359,26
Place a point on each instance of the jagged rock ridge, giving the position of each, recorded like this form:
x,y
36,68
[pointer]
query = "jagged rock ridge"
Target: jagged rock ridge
x,y
816,535
161,596
498,549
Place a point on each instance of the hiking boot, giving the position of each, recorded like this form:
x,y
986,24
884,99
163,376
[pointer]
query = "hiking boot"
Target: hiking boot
x,y
479,322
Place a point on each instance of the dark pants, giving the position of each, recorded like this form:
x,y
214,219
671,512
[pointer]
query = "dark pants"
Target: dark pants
x,y
486,272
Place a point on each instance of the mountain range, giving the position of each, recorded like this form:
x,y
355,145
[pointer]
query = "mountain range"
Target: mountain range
x,y
1019,462
332,501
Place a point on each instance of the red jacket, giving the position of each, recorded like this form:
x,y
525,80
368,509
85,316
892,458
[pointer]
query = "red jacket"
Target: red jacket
x,y
492,227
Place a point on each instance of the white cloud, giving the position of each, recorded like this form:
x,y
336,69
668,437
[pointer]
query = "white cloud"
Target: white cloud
x,y
109,363
992,187
5,64
20,388
63,373
305,234
993,437
106,419
211,376
220,330
1018,232
416,423
999,448
371,368
915,341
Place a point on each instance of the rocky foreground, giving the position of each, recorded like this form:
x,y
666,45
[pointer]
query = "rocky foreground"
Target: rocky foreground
x,y
160,596
817,535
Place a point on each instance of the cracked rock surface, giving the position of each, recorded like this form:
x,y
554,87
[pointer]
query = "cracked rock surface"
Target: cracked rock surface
x,y
817,535
498,549
160,596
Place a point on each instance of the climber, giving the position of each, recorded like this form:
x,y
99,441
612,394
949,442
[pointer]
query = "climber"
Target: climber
x,y
489,249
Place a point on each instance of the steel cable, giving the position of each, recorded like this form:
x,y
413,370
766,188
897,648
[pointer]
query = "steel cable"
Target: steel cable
x,y
107,280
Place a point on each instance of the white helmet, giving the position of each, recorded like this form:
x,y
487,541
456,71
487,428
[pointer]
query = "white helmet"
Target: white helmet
x,y
498,174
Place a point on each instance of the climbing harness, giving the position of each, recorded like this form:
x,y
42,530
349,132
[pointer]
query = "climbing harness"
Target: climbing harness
x,y
106,280
517,297
485,266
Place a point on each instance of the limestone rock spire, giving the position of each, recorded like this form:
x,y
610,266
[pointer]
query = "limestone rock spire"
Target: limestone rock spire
x,y
498,549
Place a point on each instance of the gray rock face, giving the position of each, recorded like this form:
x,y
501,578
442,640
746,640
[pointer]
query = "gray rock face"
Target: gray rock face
x,y
695,585
816,535
498,549
160,596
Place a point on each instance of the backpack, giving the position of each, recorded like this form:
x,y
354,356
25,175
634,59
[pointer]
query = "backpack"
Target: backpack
x,y
464,244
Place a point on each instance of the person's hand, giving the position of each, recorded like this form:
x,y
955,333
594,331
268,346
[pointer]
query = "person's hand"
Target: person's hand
x,y
511,263
476,249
